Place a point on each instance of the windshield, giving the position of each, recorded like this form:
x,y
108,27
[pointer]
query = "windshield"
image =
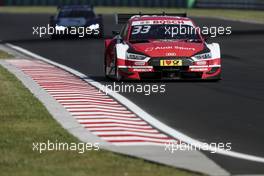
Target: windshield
x,y
76,14
164,32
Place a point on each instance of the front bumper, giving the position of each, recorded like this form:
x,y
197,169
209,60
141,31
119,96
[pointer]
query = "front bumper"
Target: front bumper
x,y
188,71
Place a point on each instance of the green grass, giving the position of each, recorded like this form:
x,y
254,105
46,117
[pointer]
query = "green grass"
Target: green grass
x,y
25,120
253,15
5,55
28,9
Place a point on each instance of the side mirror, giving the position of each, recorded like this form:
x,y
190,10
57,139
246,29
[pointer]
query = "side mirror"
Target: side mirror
x,y
119,39
115,33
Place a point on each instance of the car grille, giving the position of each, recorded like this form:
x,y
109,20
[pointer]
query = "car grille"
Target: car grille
x,y
170,72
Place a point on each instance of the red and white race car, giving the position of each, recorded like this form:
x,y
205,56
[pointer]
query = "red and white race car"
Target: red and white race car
x,y
167,46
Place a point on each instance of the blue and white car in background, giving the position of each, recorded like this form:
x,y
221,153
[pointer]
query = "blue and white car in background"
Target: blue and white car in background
x,y
76,20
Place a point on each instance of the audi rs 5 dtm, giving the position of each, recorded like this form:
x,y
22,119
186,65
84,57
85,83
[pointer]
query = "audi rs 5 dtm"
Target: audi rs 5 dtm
x,y
165,46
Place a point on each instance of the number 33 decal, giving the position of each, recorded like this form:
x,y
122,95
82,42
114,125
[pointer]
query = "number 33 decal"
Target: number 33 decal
x,y
141,29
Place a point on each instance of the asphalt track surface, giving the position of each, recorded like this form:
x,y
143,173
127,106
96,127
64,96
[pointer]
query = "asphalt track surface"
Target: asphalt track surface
x,y
227,111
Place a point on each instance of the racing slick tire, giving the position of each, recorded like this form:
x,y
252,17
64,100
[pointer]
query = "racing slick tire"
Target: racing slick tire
x,y
105,70
116,76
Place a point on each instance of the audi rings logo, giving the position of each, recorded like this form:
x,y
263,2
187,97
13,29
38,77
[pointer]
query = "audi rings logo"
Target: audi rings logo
x,y
171,54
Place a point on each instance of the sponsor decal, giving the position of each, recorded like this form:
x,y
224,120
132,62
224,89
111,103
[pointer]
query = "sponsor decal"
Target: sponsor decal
x,y
168,48
158,22
170,62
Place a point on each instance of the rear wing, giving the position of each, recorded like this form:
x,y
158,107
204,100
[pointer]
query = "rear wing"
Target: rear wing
x,y
124,17
87,7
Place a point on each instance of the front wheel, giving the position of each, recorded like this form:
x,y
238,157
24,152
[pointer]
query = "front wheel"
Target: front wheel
x,y
106,72
118,77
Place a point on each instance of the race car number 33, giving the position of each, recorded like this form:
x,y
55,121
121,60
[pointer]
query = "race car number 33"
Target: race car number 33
x,y
170,62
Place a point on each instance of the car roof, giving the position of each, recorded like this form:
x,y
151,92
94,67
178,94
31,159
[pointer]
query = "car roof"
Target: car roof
x,y
76,7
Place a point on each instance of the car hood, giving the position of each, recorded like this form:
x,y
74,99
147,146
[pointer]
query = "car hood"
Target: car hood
x,y
168,48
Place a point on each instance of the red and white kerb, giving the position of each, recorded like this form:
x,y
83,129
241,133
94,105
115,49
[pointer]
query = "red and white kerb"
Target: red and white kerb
x,y
97,112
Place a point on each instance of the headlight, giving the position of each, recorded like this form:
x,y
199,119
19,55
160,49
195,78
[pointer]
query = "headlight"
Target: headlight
x,y
133,56
60,28
203,56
